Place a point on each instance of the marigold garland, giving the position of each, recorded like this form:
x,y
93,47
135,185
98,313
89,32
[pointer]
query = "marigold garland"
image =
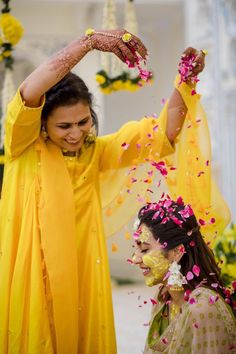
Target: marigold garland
x,y
121,82
11,32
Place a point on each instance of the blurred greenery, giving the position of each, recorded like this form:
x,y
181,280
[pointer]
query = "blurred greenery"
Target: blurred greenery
x,y
225,252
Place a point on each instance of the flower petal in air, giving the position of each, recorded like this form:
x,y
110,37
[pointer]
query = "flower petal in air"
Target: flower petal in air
x,y
196,270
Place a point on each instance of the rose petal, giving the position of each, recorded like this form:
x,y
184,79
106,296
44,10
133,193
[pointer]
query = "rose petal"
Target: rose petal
x,y
196,270
189,276
153,301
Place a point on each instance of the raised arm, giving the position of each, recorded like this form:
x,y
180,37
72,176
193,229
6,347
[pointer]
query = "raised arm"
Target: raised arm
x,y
54,69
176,107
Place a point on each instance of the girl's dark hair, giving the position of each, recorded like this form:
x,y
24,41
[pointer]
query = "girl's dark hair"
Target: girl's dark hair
x,y
171,228
69,91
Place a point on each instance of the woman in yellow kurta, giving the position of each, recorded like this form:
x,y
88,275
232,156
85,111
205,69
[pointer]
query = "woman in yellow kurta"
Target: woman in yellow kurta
x,y
55,294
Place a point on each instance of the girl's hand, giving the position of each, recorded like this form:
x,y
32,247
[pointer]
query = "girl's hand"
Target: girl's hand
x,y
198,62
114,41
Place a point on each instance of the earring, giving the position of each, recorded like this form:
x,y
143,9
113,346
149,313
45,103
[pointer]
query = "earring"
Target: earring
x,y
44,133
175,278
91,136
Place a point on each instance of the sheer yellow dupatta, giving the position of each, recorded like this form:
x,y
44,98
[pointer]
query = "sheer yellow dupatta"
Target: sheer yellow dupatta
x,y
192,179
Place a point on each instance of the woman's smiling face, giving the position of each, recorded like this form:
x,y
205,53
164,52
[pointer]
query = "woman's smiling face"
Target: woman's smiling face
x,y
68,126
149,255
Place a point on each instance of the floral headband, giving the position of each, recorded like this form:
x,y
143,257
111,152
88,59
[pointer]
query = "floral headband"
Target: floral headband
x,y
165,209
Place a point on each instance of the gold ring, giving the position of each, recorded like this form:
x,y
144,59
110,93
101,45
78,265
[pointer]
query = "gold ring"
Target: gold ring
x,y
126,37
204,51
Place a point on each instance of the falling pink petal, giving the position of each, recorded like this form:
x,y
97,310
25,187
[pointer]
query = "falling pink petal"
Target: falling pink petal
x,y
207,162
195,325
193,92
213,299
160,166
192,243
130,261
196,270
212,220
163,101
138,146
149,190
202,222
192,300
156,128
200,173
153,301
187,294
189,276
164,340
214,285
180,201
125,146
163,245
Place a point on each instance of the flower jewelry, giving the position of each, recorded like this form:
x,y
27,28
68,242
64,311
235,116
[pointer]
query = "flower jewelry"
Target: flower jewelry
x,y
176,280
165,209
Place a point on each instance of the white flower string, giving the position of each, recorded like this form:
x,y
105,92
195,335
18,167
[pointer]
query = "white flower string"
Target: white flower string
x,y
11,32
7,94
109,23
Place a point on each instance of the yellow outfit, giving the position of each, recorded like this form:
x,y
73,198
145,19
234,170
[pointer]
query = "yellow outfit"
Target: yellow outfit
x,y
55,294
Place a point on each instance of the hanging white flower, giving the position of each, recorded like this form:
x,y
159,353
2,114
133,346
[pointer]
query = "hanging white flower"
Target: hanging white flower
x,y
7,93
175,278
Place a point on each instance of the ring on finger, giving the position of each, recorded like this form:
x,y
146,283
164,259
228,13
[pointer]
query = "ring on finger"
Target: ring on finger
x,y
126,37
204,51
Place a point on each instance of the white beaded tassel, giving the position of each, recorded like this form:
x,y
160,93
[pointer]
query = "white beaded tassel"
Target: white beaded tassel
x,y
131,25
108,23
7,93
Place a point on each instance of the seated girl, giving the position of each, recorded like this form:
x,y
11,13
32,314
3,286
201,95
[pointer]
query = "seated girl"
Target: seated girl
x,y
192,313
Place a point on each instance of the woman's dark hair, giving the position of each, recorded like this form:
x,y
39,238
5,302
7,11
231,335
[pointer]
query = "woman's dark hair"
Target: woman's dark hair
x,y
173,223
69,91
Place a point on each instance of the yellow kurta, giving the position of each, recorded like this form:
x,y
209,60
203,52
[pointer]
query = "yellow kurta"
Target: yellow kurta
x,y
55,294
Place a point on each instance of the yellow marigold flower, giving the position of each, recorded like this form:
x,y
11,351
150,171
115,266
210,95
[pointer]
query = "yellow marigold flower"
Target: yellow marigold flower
x,y
100,79
126,37
89,31
11,28
131,87
114,247
127,235
106,90
117,85
7,53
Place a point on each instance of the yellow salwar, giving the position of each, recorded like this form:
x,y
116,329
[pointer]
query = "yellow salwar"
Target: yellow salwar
x,y
55,294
